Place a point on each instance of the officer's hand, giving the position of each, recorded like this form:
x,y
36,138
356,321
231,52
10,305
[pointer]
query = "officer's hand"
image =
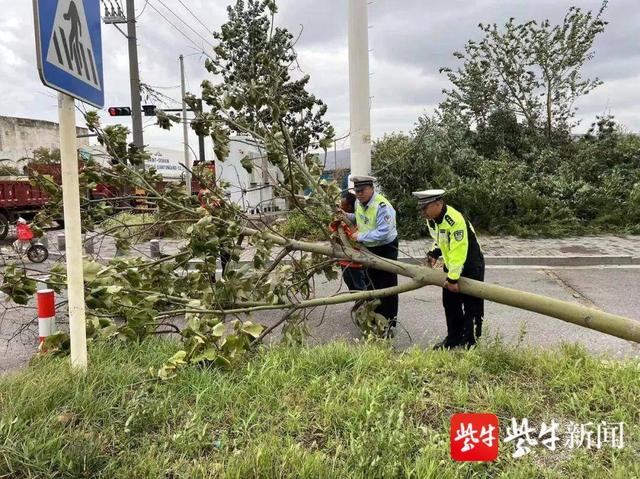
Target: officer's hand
x,y
453,287
431,262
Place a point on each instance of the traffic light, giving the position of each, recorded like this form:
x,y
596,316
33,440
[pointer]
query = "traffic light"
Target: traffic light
x,y
149,110
119,111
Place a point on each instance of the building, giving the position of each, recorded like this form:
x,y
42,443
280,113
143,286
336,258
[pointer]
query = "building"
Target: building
x,y
337,166
166,162
19,137
252,191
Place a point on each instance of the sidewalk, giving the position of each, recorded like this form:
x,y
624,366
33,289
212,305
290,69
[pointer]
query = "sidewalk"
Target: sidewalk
x,y
498,250
578,251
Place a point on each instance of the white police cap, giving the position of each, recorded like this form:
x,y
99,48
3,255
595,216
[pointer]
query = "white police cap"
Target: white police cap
x,y
428,196
359,181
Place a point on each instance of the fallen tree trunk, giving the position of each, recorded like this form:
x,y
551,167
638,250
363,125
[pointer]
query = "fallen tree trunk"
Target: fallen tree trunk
x,y
612,324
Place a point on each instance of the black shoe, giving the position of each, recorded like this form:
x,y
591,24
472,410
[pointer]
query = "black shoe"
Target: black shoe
x,y
441,345
445,344
465,345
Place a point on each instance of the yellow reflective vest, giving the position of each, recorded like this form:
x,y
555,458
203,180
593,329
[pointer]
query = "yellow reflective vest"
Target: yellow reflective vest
x,y
455,240
367,221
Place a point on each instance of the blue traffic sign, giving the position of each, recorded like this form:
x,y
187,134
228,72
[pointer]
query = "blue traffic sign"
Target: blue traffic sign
x,y
69,48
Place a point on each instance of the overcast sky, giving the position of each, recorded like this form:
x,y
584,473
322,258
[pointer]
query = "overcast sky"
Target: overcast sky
x,y
410,40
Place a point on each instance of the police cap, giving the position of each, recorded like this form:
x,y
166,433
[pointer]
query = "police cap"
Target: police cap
x,y
428,196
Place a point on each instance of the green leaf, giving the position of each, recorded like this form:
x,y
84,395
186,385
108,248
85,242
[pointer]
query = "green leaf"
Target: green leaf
x,y
222,362
91,269
247,163
209,354
252,329
218,330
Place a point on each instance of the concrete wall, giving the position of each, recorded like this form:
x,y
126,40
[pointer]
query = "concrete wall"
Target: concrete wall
x,y
20,136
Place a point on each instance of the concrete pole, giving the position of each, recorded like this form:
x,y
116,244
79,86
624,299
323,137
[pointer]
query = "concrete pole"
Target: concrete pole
x,y
134,74
185,130
61,242
73,231
360,120
203,156
154,248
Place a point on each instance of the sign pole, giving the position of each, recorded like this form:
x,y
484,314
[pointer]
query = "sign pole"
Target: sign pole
x,y
73,231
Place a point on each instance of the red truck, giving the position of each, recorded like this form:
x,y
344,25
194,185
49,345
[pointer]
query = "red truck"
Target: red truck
x,y
18,197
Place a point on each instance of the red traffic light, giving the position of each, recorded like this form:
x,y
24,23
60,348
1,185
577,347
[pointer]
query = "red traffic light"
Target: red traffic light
x,y
119,111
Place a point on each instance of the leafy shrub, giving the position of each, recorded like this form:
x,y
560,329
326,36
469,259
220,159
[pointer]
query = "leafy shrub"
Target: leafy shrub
x,y
515,185
299,226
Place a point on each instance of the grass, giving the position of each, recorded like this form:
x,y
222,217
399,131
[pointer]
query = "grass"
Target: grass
x,y
333,411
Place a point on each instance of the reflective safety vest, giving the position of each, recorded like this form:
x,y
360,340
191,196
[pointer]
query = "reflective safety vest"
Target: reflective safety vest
x,y
455,239
367,218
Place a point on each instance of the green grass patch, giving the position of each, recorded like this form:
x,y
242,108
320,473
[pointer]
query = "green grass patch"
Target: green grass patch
x,y
338,410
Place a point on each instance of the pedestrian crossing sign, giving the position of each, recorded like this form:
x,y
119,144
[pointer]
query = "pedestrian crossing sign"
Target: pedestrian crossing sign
x,y
69,48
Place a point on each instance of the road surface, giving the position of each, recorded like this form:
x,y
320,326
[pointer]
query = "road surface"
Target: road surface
x,y
612,289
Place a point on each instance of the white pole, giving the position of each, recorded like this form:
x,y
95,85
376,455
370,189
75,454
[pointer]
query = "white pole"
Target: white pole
x,y
185,130
72,229
360,121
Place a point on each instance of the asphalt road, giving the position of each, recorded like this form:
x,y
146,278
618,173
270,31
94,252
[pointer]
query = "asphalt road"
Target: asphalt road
x,y
612,289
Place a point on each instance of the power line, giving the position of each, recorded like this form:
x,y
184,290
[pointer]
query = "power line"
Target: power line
x,y
188,26
143,9
198,47
165,87
196,17
120,7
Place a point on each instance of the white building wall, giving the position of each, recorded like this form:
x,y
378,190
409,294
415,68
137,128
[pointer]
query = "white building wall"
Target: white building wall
x,y
20,136
251,191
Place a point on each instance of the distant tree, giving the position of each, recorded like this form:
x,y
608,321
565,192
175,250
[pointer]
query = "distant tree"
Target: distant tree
x,y
254,59
46,155
532,70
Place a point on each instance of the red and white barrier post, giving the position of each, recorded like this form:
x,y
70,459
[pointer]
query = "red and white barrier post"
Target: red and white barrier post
x,y
46,313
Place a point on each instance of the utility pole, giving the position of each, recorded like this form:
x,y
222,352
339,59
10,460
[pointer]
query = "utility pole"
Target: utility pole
x,y
185,130
134,73
360,119
203,156
115,18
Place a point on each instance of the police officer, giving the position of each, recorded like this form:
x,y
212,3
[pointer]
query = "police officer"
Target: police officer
x,y
376,221
455,240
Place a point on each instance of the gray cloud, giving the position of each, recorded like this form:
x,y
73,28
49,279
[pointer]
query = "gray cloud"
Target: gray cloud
x,y
410,40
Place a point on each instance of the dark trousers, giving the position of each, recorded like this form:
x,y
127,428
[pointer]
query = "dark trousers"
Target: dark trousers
x,y
379,279
463,313
225,257
354,278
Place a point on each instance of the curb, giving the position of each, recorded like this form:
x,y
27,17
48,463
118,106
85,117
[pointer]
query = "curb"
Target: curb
x,y
548,261
595,260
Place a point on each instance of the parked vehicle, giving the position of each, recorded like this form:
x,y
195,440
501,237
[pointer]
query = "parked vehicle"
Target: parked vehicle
x,y
18,197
